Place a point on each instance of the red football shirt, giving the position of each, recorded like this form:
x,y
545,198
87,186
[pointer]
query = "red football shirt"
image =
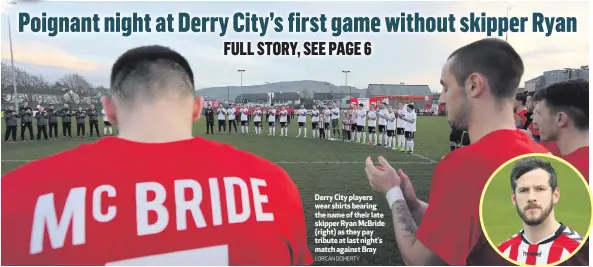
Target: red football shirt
x,y
451,225
580,160
126,203
522,114
552,147
551,250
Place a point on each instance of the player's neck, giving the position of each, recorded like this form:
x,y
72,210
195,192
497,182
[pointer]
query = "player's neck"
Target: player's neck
x,y
521,109
484,121
572,139
159,125
542,231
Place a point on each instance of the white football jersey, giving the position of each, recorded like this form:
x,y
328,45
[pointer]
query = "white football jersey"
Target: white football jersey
x,y
302,115
326,113
361,117
283,115
315,115
244,114
411,126
401,123
272,117
372,118
221,112
232,113
104,115
335,113
390,121
382,112
327,116
257,115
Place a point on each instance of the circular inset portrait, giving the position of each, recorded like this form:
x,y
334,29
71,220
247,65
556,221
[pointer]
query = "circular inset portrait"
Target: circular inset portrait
x,y
536,210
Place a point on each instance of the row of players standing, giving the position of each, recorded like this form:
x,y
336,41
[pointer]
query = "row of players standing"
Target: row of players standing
x,y
396,133
396,127
50,117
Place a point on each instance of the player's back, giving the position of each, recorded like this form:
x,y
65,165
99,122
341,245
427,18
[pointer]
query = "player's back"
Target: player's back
x,y
128,203
470,168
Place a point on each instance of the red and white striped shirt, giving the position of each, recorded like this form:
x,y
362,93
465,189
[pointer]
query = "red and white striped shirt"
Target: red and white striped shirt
x,y
551,250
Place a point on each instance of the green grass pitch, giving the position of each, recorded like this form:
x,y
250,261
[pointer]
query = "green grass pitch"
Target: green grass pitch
x,y
500,217
317,167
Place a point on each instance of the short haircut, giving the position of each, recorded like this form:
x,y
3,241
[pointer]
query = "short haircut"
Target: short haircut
x,y
411,106
521,97
494,59
150,72
571,97
528,164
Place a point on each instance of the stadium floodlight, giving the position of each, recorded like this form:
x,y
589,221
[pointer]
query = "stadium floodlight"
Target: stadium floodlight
x,y
508,8
346,82
5,7
241,71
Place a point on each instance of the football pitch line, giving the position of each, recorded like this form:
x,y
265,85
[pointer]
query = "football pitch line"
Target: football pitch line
x,y
293,162
351,162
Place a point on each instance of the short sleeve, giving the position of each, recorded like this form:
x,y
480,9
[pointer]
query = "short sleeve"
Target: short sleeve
x,y
451,227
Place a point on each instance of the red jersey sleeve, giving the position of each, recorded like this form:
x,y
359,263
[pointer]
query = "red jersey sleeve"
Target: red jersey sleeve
x,y
449,227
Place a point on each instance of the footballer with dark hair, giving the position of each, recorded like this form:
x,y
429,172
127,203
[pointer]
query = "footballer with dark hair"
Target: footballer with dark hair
x,y
543,240
480,81
164,197
562,115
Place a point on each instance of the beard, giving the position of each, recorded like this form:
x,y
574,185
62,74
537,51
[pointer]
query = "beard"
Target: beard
x,y
459,120
538,220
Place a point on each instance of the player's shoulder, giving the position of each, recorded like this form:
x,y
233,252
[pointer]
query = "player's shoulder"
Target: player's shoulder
x,y
572,234
514,240
246,158
47,165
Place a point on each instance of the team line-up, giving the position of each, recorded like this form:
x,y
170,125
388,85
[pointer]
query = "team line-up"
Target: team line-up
x,y
396,127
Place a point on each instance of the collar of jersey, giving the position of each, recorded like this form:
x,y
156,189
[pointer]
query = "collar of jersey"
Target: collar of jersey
x,y
558,232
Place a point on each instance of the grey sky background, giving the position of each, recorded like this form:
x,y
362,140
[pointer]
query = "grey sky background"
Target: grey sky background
x,y
413,58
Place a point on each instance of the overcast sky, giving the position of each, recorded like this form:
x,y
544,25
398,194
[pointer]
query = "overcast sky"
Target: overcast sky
x,y
413,58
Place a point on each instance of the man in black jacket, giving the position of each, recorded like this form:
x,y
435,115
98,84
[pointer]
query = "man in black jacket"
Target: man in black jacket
x,y
209,120
52,116
41,117
11,118
66,115
93,120
26,114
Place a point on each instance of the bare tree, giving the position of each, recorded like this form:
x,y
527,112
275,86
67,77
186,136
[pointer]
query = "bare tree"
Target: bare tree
x,y
78,84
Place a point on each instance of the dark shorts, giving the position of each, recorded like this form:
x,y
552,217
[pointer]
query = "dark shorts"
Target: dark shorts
x,y
222,122
335,123
360,128
326,125
314,125
390,132
282,124
257,123
243,123
271,124
301,124
409,135
371,129
353,127
400,131
106,123
381,128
